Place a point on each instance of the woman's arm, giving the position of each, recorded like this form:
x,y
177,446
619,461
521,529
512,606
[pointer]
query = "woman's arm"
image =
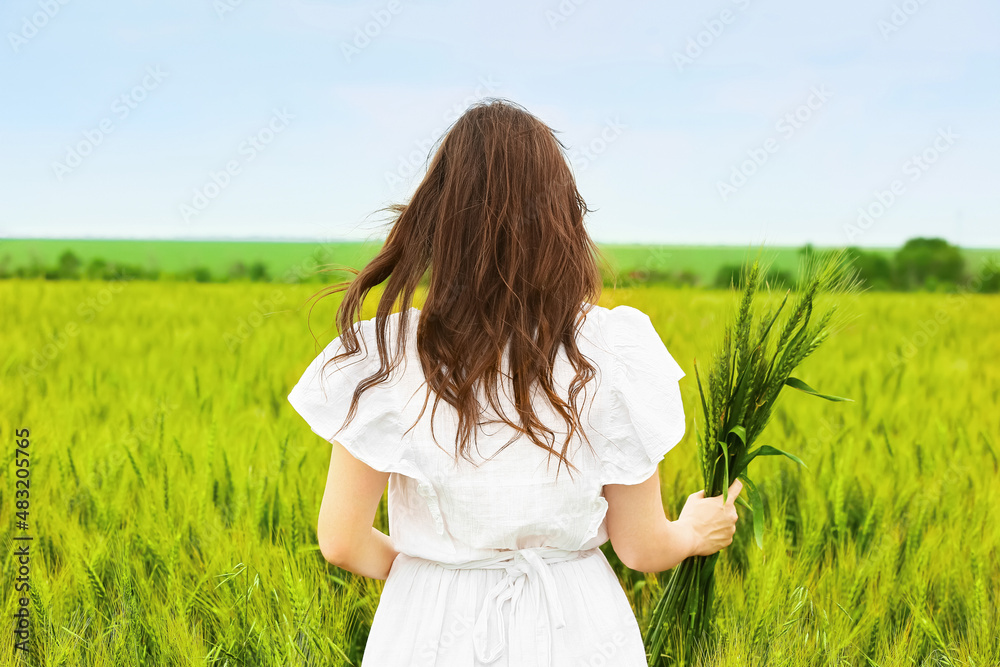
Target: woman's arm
x,y
642,536
345,533
645,540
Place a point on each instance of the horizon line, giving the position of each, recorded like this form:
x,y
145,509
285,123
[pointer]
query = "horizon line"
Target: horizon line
x,y
307,239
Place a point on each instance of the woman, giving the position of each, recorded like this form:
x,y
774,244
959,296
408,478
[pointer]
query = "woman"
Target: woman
x,y
493,558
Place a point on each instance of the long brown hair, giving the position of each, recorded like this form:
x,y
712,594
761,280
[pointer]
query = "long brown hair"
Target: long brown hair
x,y
498,222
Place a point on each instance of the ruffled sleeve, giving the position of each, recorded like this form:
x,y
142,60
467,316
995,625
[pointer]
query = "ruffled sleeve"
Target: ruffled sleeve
x,y
645,416
323,397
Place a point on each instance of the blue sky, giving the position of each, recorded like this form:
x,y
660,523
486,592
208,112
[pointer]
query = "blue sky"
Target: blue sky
x,y
728,122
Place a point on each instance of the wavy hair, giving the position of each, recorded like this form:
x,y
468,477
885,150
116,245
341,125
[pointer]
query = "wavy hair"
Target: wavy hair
x,y
497,221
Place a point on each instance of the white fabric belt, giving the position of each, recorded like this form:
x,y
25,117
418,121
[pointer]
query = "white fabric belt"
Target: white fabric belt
x,y
525,569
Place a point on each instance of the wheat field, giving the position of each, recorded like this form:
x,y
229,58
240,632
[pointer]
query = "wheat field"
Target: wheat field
x,y
174,492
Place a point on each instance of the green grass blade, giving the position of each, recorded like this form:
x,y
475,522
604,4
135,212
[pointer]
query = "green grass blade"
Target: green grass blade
x,y
802,386
701,393
757,506
725,457
767,330
768,450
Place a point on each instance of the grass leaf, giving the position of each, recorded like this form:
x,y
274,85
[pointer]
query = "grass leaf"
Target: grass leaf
x,y
802,386
768,450
757,505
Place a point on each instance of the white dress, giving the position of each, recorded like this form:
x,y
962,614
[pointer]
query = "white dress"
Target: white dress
x,y
499,564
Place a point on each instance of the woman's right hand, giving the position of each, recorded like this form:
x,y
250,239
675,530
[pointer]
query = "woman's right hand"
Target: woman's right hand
x,y
710,522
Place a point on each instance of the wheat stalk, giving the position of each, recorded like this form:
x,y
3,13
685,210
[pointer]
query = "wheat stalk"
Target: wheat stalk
x,y
745,378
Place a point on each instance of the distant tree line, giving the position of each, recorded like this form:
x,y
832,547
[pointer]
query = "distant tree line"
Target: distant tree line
x,y
70,267
930,264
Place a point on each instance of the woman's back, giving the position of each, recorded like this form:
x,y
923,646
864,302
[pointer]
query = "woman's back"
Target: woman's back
x,y
507,527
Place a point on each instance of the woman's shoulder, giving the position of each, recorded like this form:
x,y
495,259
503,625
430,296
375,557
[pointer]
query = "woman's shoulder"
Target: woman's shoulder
x,y
607,329
366,329
392,320
615,314
610,328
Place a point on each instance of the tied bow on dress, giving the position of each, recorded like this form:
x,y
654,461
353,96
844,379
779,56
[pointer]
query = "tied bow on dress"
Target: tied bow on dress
x,y
527,583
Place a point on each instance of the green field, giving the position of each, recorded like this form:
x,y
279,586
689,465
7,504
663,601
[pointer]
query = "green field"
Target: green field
x,y
284,260
287,260
174,492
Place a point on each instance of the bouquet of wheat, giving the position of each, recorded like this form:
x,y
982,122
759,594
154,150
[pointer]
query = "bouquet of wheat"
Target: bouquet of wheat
x,y
755,362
